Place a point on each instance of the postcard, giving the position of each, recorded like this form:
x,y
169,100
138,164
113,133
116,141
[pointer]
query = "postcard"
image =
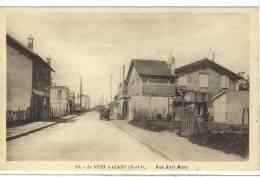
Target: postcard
x,y
129,88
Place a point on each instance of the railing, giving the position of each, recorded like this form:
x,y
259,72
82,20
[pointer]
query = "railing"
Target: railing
x,y
58,112
158,90
19,115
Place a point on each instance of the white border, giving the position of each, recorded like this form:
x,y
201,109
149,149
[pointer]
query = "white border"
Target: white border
x,y
91,3
65,3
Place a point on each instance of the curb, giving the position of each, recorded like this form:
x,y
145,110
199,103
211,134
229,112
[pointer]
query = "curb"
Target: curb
x,y
35,130
152,148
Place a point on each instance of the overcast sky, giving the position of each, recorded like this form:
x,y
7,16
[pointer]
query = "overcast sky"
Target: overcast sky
x,y
96,45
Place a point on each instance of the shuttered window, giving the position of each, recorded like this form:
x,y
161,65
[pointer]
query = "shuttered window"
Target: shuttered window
x,y
182,80
59,94
204,80
224,81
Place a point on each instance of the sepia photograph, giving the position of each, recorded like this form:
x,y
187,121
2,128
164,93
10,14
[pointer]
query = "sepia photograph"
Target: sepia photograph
x,y
130,85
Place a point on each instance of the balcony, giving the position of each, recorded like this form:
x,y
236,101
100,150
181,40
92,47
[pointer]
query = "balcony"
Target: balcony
x,y
158,90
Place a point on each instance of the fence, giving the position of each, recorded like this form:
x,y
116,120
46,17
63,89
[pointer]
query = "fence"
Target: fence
x,y
188,121
146,115
20,115
58,112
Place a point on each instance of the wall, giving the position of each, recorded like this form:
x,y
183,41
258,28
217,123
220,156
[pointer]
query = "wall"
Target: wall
x,y
136,88
236,101
84,99
58,103
41,77
149,103
214,84
19,80
158,90
219,107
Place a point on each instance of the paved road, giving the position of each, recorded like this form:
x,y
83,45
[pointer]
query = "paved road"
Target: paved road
x,y
81,138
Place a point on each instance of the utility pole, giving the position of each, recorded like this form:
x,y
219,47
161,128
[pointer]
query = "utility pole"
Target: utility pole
x,y
80,94
111,88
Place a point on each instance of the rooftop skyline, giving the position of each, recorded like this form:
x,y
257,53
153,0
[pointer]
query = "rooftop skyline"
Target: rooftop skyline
x,y
96,45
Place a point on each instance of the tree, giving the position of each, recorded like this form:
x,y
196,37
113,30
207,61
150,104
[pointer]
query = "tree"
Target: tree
x,y
244,83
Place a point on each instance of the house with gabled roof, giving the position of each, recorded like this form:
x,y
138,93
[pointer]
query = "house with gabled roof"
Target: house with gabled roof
x,y
28,82
150,83
207,78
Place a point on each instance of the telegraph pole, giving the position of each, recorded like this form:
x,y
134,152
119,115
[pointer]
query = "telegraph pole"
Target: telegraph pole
x,y
111,88
80,94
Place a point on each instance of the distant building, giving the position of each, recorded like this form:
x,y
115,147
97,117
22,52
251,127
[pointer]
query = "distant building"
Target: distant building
x,y
150,83
62,101
228,106
28,82
84,103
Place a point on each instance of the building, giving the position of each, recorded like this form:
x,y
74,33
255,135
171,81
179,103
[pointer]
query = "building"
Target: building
x,y
229,105
84,103
149,84
199,81
121,100
62,101
28,82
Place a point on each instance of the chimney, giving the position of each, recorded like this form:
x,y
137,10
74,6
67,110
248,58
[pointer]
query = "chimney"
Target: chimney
x,y
30,42
213,57
49,61
172,65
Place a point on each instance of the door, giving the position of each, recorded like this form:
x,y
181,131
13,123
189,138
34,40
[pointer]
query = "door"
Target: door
x,y
37,107
125,110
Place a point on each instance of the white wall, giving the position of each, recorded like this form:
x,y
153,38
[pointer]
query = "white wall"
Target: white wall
x,y
58,103
149,103
136,88
219,107
236,101
19,80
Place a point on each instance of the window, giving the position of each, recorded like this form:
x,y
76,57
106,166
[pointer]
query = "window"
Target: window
x,y
44,101
204,80
182,80
157,81
224,80
59,94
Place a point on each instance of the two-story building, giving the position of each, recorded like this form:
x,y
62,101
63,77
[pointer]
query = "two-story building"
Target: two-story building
x,y
82,106
149,83
199,81
28,82
61,100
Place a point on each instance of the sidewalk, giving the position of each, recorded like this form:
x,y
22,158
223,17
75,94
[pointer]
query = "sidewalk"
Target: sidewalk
x,y
18,131
174,147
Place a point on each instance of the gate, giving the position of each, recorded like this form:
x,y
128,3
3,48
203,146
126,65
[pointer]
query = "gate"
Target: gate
x,y
188,121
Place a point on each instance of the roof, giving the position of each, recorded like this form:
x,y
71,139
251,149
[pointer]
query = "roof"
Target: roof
x,y
150,67
30,53
219,94
207,63
227,91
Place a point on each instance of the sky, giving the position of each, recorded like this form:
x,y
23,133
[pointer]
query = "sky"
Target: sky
x,y
95,45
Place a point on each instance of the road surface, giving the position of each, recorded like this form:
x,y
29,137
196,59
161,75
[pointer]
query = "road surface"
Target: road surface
x,y
82,138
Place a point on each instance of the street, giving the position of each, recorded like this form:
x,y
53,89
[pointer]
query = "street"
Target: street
x,y
82,138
